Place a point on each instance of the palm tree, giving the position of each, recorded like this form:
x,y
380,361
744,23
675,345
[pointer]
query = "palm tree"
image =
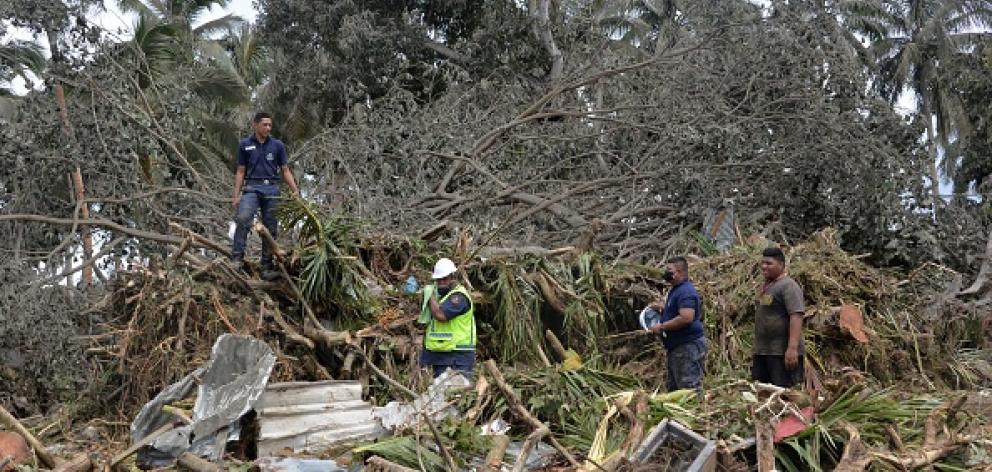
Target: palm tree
x,y
165,33
920,39
639,22
183,14
235,69
169,35
17,58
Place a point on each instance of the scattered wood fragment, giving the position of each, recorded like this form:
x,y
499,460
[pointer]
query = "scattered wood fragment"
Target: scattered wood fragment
x,y
270,241
532,439
435,231
764,441
200,240
448,459
855,457
516,406
347,364
636,433
556,344
198,464
852,322
494,460
493,252
13,424
79,463
402,388
325,337
378,464
288,331
140,443
549,293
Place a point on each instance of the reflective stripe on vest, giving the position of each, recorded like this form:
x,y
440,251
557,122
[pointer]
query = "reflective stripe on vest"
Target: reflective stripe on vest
x,y
457,334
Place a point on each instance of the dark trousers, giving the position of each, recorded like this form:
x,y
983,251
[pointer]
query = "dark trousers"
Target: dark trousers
x,y
772,370
253,198
686,366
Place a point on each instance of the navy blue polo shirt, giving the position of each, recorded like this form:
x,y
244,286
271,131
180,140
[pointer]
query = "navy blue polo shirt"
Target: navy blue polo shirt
x,y
261,160
683,295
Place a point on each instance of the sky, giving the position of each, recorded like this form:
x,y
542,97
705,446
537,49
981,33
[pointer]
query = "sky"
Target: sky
x,y
119,24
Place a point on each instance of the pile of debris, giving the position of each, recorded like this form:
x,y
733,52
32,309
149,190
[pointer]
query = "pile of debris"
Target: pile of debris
x,y
318,370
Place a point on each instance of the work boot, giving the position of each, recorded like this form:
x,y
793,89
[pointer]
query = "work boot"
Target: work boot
x,y
270,275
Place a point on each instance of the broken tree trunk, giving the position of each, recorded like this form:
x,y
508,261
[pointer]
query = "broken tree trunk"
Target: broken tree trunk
x,y
764,441
517,407
84,230
13,424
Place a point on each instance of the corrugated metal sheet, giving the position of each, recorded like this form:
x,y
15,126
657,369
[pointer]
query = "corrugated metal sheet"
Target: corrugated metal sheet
x,y
313,416
719,227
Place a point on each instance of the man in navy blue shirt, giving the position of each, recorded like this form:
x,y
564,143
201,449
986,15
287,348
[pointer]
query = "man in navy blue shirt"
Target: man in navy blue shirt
x,y
261,161
681,328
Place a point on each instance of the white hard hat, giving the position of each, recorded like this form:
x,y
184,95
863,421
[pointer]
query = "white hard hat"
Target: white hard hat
x,y
443,268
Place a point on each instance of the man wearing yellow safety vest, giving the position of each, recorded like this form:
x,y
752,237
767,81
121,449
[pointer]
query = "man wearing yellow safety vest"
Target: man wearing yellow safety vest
x,y
449,314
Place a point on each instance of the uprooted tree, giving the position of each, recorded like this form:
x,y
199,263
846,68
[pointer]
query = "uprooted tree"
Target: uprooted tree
x,y
607,128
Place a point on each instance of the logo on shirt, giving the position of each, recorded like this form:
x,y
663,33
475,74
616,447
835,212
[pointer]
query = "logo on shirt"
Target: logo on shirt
x,y
269,157
250,148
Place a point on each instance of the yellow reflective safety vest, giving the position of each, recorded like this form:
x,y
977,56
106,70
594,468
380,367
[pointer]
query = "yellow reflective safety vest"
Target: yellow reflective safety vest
x,y
457,334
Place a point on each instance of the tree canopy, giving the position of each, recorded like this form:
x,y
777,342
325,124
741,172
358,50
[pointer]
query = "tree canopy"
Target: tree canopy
x,y
615,124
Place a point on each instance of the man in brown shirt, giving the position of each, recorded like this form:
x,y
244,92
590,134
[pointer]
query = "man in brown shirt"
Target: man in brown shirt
x,y
778,325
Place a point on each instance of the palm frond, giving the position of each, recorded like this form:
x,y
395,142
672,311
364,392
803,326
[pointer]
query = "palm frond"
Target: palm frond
x,y
21,56
216,82
516,319
156,42
332,276
137,6
250,56
217,25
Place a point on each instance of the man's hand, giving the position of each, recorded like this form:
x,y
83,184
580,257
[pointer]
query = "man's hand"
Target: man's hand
x,y
235,202
657,329
791,357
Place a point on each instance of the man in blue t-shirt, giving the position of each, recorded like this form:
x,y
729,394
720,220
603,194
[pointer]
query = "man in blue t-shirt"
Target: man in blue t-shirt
x,y
261,161
681,328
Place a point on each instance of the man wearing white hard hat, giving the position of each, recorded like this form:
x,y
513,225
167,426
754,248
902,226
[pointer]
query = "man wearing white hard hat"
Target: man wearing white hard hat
x,y
449,341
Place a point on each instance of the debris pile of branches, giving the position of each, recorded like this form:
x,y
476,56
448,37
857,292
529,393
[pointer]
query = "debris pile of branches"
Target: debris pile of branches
x,y
343,308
